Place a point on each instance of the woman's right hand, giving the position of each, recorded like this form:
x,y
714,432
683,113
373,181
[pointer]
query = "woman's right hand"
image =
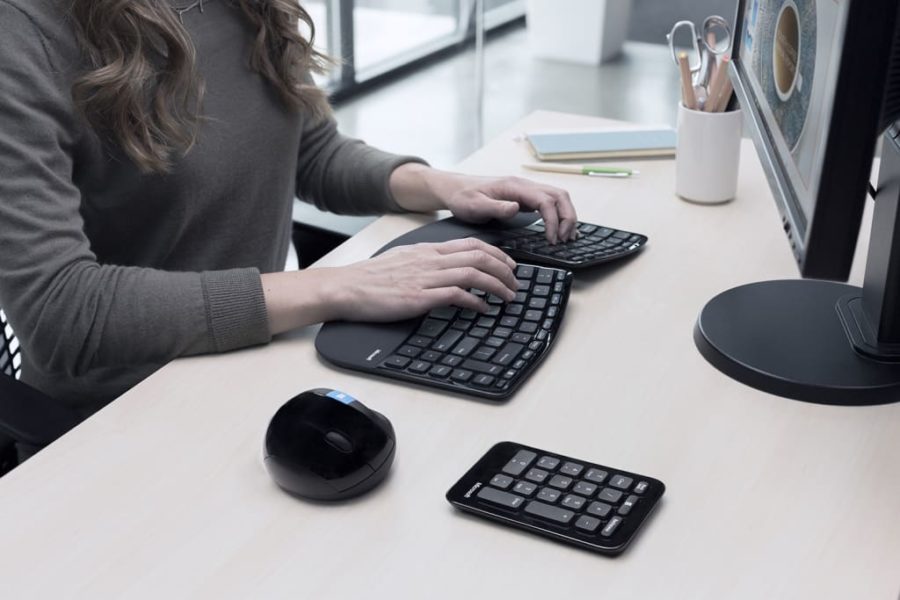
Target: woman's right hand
x,y
408,281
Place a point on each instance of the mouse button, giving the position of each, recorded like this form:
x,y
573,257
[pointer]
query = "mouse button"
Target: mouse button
x,y
339,441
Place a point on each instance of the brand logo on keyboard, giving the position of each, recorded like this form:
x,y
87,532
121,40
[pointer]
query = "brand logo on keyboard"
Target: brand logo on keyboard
x,y
472,490
373,355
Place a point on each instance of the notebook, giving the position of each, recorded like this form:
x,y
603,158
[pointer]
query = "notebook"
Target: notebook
x,y
579,145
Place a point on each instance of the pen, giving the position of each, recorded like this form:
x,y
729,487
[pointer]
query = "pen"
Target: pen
x,y
584,170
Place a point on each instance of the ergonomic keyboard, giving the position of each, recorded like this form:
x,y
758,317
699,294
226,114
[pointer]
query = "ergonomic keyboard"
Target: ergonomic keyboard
x,y
482,354
595,245
574,501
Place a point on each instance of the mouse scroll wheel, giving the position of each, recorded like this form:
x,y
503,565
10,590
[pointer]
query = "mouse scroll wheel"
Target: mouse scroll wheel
x,y
339,441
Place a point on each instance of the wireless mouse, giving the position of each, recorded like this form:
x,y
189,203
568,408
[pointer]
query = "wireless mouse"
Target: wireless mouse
x,y
326,445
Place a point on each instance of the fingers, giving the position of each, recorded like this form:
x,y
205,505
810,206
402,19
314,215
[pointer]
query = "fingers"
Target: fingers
x,y
469,277
452,296
483,261
469,244
554,204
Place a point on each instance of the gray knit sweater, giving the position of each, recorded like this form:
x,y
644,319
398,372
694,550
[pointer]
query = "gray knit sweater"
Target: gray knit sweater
x,y
107,274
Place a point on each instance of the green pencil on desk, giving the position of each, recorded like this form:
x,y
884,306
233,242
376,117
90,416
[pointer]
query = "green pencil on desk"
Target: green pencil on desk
x,y
584,170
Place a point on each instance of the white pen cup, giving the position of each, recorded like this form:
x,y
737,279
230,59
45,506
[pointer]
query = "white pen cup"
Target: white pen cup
x,y
707,155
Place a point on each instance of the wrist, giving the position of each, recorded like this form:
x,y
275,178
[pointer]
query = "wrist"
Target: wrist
x,y
420,188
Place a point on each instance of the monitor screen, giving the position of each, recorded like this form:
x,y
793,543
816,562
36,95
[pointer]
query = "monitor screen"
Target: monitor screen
x,y
790,50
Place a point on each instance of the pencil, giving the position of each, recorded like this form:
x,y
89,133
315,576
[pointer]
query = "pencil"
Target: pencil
x,y
725,96
687,88
716,86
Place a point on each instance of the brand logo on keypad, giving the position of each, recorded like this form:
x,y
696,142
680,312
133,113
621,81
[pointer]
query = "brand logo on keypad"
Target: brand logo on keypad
x,y
373,355
472,489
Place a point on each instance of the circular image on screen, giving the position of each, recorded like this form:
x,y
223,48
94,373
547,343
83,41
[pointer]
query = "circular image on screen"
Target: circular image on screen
x,y
787,62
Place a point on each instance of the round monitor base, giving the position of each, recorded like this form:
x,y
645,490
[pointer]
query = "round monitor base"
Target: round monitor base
x,y
786,338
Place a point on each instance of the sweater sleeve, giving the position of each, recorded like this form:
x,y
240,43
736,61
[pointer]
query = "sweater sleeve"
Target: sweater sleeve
x,y
344,175
71,313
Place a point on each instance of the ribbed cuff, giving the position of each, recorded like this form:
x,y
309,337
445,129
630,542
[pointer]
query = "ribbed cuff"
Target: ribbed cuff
x,y
235,308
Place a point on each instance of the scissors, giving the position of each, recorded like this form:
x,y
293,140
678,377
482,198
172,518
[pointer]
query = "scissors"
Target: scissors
x,y
713,39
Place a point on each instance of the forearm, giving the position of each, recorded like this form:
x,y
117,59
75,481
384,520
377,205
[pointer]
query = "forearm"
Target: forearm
x,y
298,298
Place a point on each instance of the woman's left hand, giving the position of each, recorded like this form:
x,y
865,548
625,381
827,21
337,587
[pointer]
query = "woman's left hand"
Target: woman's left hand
x,y
479,199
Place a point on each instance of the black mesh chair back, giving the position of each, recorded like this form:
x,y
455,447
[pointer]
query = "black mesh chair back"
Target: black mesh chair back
x,y
10,357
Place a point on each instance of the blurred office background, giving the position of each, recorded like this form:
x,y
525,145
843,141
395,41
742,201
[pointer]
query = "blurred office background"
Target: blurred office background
x,y
407,79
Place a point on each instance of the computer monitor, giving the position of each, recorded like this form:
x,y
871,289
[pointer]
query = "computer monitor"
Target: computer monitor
x,y
818,83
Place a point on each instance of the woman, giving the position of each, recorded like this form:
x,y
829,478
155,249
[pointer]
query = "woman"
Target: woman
x,y
149,156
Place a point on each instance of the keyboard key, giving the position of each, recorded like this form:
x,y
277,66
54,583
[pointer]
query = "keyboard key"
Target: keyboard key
x,y
533,315
574,502
514,309
595,475
547,324
479,332
440,371
528,327
432,327
570,468
508,353
538,303
492,299
524,488
501,481
420,366
548,511
536,475
494,342
589,524
443,312
451,361
541,290
484,353
501,498
549,495
520,338
584,488
560,481
628,505
431,356
609,495
641,487
493,310
420,341
523,284
601,509
610,527
548,462
447,340
465,346
509,373
469,314
519,462
544,276
621,482
509,322
397,362
519,363
524,272
461,375
541,335
502,332
410,351
483,380
486,322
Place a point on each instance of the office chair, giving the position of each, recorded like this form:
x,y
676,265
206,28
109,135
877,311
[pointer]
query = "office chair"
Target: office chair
x,y
29,420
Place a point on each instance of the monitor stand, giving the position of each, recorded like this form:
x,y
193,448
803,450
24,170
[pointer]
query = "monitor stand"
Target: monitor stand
x,y
818,341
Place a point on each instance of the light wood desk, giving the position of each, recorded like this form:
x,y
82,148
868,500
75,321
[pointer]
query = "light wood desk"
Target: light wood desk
x,y
163,493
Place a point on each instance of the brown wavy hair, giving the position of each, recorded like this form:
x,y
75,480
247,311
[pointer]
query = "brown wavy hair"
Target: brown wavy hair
x,y
143,90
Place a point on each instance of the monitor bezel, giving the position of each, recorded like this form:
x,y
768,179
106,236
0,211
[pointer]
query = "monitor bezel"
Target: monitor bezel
x,y
824,242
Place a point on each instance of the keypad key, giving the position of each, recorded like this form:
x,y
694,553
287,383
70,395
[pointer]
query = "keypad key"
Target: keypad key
x,y
541,335
503,332
600,509
549,495
431,356
519,364
586,523
541,290
523,284
444,312
584,488
499,497
548,511
420,341
561,481
610,527
494,342
493,310
479,332
621,482
492,299
509,373
482,367
524,272
509,322
484,353
520,338
548,462
501,481
514,309
641,487
508,353
596,475
544,276
397,362
533,315
536,475
486,322
469,314
628,505
451,361
537,303
525,488
609,495
528,327
574,502
570,468
519,462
